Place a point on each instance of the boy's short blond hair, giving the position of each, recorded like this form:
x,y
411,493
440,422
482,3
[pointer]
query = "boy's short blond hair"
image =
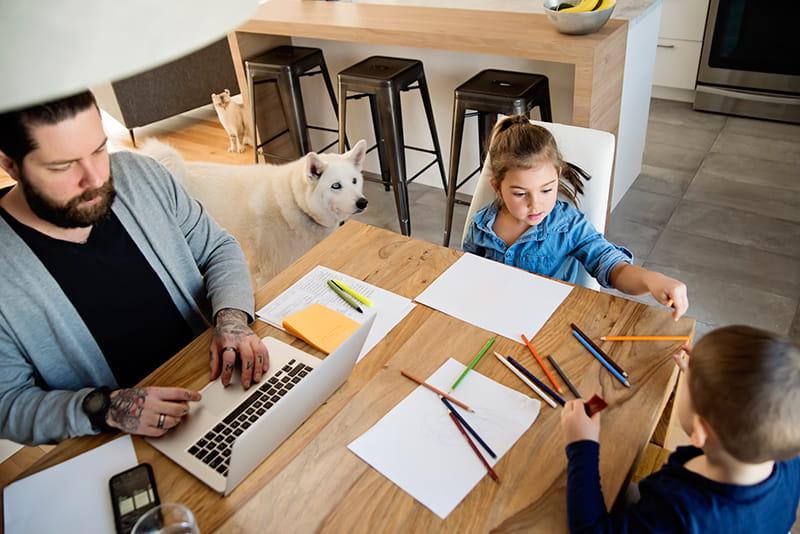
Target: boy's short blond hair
x,y
745,382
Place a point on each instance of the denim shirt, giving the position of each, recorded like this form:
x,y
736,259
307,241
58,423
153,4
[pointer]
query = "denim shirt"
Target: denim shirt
x,y
559,247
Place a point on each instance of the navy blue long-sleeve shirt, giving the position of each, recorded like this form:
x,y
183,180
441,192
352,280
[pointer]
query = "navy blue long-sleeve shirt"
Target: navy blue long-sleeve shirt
x,y
675,499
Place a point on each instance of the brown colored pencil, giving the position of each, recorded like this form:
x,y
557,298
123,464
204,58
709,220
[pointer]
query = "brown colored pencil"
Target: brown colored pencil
x,y
645,338
437,391
474,448
541,363
599,350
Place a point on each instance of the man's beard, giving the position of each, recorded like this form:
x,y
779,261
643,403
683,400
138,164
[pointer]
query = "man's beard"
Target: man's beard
x,y
71,215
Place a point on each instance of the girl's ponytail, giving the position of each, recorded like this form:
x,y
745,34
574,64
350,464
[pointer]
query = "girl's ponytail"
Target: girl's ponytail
x,y
571,182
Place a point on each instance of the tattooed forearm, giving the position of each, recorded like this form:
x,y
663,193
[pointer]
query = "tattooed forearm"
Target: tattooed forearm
x,y
126,408
232,323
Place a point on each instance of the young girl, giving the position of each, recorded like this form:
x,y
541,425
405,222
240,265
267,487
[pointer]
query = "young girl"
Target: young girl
x,y
527,226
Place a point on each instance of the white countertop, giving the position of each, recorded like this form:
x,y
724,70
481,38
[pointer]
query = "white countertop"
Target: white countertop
x,y
625,9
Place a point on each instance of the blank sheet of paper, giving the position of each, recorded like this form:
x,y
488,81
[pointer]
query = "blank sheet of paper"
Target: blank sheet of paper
x,y
313,288
417,446
495,297
72,496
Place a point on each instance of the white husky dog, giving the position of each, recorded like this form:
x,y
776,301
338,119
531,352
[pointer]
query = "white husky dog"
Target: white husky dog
x,y
276,212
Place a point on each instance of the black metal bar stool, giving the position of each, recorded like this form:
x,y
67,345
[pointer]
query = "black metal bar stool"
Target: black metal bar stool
x,y
489,93
382,79
285,66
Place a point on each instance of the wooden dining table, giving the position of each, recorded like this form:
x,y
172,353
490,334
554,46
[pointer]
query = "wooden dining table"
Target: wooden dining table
x,y
312,482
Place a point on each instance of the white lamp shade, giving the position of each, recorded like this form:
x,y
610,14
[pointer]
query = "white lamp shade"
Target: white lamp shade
x,y
53,48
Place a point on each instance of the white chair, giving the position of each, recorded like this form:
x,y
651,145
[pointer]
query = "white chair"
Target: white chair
x,y
592,151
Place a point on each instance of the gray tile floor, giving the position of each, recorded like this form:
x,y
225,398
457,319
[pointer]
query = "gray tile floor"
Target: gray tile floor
x,y
717,205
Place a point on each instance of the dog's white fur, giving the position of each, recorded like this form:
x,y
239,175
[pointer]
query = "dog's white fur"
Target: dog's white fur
x,y
276,212
231,116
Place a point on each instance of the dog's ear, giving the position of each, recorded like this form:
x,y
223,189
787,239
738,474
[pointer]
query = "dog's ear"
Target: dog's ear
x,y
314,167
227,92
357,153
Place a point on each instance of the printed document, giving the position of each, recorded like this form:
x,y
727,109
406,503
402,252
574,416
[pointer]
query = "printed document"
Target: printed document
x,y
313,288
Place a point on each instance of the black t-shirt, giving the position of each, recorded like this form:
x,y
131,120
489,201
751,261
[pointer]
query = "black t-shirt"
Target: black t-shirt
x,y
117,293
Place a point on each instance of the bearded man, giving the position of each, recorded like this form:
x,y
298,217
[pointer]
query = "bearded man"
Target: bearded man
x,y
107,268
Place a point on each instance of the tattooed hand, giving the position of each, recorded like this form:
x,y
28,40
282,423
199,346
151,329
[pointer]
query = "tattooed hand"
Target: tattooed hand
x,y
137,410
232,338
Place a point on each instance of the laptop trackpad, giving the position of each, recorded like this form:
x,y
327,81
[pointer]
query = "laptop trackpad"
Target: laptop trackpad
x,y
218,400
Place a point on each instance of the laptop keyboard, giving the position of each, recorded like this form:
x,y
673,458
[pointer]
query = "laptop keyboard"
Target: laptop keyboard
x,y
214,448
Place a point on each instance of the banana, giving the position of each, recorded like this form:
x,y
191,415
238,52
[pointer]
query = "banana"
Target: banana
x,y
605,4
583,6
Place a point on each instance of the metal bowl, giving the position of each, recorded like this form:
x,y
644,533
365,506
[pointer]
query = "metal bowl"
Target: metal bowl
x,y
576,23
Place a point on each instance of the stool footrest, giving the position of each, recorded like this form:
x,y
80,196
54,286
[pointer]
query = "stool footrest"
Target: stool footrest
x,y
323,128
312,73
271,139
425,168
465,180
323,149
358,96
426,150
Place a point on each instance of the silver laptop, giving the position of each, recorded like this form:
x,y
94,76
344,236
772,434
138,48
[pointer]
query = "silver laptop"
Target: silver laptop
x,y
231,431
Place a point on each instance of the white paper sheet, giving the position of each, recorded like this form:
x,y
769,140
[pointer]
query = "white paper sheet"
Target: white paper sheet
x,y
417,446
495,297
313,288
72,496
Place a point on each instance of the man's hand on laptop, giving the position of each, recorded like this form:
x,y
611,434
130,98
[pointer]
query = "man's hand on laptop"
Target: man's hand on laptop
x,y
233,338
149,411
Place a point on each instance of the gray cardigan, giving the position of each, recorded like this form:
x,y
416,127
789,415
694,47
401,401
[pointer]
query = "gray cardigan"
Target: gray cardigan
x,y
49,360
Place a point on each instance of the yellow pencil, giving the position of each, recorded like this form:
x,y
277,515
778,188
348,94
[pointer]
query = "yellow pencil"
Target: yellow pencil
x,y
645,338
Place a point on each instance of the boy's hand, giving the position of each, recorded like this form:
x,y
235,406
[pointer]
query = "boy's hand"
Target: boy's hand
x,y
682,358
577,425
669,292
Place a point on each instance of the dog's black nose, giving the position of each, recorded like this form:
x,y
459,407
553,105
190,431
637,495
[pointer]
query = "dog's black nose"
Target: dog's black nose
x,y
361,203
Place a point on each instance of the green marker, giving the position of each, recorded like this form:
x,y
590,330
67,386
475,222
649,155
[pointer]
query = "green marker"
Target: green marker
x,y
345,297
473,363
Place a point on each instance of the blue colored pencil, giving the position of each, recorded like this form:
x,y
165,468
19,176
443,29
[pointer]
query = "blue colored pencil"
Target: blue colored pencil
x,y
601,359
469,428
555,396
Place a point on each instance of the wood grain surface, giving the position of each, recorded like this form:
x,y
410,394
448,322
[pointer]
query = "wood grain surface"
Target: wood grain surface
x,y
313,483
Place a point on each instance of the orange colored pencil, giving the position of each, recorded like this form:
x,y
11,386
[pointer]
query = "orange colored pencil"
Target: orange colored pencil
x,y
474,448
437,391
541,364
645,338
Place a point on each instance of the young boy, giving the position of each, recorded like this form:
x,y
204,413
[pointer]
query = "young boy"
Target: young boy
x,y
740,405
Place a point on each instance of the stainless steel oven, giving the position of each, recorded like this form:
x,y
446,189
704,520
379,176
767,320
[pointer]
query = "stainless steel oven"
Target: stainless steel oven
x,y
750,61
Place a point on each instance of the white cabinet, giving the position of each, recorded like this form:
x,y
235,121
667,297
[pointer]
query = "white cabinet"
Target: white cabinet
x,y
680,40
676,63
683,19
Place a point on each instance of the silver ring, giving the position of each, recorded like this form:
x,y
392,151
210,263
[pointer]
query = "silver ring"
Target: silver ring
x,y
225,349
161,418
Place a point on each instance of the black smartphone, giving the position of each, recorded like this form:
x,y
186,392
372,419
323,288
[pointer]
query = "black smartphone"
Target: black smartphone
x,y
133,492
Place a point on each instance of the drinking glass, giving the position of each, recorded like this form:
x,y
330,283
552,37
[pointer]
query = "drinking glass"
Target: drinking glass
x,y
167,518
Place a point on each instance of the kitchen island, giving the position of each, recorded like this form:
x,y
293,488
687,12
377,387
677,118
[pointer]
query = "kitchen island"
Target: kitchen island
x,y
600,81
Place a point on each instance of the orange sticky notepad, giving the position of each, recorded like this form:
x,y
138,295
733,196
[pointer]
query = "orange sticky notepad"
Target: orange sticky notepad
x,y
320,327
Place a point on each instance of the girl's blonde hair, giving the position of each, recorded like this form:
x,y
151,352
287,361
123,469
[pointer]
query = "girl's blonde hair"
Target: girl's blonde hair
x,y
518,144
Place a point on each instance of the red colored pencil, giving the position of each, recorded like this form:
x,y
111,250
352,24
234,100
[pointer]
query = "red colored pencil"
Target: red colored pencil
x,y
541,364
474,448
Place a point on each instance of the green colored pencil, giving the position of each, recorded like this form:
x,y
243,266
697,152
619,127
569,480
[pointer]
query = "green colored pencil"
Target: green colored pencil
x,y
474,362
